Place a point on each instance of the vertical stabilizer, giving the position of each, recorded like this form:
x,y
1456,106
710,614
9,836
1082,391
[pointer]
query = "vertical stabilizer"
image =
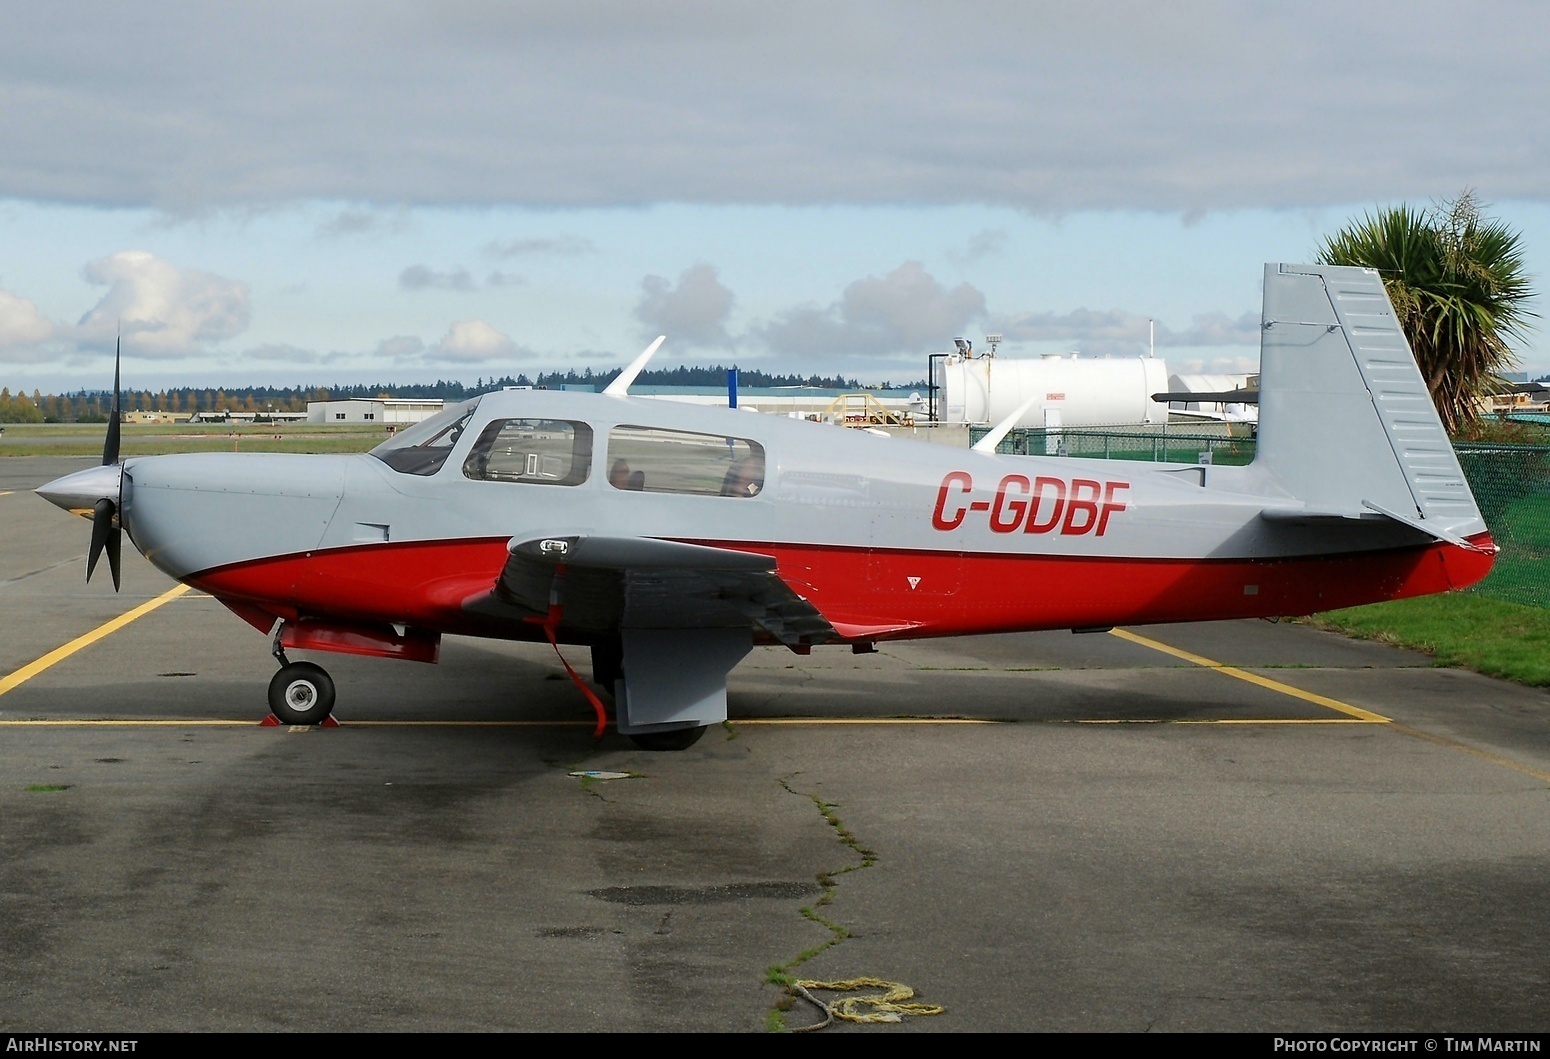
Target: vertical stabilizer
x,y
1346,423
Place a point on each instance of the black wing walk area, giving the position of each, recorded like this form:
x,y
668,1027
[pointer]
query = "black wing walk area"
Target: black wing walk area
x,y
605,583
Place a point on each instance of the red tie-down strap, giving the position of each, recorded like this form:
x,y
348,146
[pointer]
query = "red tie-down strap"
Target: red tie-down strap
x,y
549,623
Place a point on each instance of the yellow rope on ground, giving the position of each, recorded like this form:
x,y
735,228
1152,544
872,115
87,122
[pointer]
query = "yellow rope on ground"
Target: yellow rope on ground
x,y
887,1006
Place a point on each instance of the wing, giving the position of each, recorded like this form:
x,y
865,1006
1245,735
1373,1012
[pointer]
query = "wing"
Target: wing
x,y
603,583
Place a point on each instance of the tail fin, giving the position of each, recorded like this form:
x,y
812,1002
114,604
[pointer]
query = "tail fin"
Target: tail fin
x,y
1346,423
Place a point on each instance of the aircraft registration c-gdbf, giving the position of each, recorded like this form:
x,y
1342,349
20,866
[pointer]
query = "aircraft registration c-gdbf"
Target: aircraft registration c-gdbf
x,y
1046,504
670,539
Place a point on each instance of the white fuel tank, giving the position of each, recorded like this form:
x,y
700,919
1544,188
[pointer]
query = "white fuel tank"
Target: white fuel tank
x,y
1067,390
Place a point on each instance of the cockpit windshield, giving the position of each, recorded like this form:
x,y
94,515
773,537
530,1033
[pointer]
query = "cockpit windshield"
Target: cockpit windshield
x,y
424,447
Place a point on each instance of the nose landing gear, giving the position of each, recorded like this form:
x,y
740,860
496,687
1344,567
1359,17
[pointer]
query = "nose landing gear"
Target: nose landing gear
x,y
301,692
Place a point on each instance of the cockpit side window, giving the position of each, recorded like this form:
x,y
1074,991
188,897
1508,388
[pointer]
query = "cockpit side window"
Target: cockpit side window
x,y
654,460
424,447
533,451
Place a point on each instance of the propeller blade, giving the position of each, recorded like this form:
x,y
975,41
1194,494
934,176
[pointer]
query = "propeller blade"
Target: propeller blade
x,y
101,532
115,546
110,446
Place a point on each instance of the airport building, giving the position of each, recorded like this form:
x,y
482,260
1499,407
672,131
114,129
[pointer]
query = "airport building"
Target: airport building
x,y
389,411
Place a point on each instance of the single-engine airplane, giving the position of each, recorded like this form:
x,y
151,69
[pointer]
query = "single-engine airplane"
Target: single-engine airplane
x,y
671,539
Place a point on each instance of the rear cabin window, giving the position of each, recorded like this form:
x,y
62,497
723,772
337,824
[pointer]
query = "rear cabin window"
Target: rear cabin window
x,y
535,451
653,460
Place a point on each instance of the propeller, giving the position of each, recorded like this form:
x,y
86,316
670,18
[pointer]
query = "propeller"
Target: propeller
x,y
98,492
106,531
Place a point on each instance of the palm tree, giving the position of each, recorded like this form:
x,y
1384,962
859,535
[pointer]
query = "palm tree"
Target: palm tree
x,y
1459,288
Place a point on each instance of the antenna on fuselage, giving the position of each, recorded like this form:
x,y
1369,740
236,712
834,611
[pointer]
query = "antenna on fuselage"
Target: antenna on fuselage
x,y
621,385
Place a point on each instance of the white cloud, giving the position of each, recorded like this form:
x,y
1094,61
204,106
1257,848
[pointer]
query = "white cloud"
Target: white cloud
x,y
162,310
420,277
1185,106
347,222
987,242
1215,329
401,347
281,353
22,327
1214,366
903,313
350,222
475,342
693,313
558,245
1116,332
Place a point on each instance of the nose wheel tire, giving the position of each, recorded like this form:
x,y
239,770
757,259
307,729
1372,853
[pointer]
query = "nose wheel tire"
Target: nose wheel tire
x,y
301,693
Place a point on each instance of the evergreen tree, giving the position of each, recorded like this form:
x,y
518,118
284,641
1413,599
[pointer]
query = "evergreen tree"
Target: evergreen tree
x,y
1460,289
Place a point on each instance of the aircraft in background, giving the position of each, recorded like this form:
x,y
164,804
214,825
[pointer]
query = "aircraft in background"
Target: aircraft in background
x,y
670,539
1239,404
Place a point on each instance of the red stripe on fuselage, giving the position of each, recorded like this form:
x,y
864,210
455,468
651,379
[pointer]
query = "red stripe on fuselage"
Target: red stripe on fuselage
x,y
948,594
420,583
423,584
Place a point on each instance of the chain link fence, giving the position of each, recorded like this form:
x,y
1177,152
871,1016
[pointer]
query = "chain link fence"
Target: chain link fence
x,y
1511,484
1231,444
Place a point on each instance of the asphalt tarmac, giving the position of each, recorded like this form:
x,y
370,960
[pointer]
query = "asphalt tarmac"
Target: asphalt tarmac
x,y
1275,830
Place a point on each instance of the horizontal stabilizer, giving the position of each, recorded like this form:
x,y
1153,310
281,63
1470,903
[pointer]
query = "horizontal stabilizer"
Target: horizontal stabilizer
x,y
1309,516
1371,515
1431,529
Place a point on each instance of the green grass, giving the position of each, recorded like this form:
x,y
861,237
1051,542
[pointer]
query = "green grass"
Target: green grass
x,y
85,439
1490,636
780,974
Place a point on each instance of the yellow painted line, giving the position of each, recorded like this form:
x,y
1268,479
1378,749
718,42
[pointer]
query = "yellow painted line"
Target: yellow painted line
x,y
866,720
468,724
7,492
1495,759
108,722
1284,720
1359,716
1254,678
59,654
1208,720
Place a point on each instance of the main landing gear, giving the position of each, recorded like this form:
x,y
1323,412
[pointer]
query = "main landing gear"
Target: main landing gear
x,y
301,692
669,685
608,673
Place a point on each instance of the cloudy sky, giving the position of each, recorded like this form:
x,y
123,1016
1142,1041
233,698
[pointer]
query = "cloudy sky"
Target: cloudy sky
x,y
281,192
